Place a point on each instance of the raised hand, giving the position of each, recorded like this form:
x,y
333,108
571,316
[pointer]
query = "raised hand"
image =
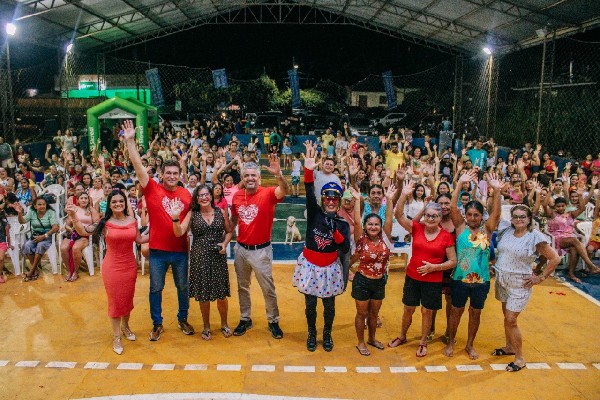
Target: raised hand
x,y
355,193
409,187
274,167
595,180
538,147
391,191
494,181
468,176
353,168
400,173
128,130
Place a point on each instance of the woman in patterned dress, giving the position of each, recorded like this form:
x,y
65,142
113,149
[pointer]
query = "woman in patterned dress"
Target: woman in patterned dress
x,y
518,247
209,277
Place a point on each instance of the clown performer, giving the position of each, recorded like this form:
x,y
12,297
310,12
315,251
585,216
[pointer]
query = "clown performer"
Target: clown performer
x,y
319,272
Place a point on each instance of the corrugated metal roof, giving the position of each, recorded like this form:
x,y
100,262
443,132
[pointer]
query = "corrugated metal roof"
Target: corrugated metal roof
x,y
458,26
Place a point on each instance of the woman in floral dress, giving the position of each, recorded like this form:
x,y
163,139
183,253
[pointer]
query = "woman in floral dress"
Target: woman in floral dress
x,y
471,277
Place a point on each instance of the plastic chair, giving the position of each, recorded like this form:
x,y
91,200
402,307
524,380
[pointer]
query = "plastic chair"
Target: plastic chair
x,y
586,229
589,211
505,213
59,192
16,239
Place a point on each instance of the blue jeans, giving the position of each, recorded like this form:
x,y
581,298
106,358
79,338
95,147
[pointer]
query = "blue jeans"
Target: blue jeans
x,y
159,264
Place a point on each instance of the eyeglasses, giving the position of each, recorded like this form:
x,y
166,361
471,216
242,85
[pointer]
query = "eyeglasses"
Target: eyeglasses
x,y
331,199
430,216
519,217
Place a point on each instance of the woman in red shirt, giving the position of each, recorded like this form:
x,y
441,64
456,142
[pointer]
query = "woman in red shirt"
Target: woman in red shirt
x,y
433,251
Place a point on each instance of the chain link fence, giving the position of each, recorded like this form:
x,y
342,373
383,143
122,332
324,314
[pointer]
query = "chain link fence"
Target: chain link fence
x,y
547,94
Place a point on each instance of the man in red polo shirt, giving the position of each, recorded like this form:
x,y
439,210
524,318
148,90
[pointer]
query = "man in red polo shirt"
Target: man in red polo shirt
x,y
253,209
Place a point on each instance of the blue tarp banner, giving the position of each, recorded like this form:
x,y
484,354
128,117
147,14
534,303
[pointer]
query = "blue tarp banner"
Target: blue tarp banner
x,y
295,86
156,91
220,78
390,89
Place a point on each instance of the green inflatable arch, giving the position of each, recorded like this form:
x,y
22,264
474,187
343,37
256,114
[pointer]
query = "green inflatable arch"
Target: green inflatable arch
x,y
118,108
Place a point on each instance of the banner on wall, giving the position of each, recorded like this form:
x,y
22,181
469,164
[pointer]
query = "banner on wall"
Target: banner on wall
x,y
156,90
295,87
390,89
220,78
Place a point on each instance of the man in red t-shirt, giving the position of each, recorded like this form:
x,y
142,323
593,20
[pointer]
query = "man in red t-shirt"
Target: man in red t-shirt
x,y
165,248
253,208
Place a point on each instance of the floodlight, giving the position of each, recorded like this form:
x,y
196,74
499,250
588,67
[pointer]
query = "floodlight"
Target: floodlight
x,y
487,51
11,29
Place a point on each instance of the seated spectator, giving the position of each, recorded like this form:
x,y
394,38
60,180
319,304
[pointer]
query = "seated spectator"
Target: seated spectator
x,y
43,225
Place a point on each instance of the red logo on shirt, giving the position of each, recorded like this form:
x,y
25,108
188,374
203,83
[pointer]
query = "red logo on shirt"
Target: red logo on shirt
x,y
322,242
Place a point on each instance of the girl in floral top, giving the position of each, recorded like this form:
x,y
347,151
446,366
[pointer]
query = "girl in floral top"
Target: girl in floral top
x,y
471,277
372,253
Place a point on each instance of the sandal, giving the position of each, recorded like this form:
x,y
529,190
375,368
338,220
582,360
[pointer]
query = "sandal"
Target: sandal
x,y
501,352
512,367
377,344
226,331
430,336
379,322
396,342
363,351
206,334
422,350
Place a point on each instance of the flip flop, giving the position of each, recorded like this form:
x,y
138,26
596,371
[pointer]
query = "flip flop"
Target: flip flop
x,y
206,334
396,342
501,352
512,367
422,350
226,331
377,344
363,352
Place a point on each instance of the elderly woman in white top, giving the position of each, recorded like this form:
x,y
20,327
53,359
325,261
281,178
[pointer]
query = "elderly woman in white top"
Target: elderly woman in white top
x,y
518,247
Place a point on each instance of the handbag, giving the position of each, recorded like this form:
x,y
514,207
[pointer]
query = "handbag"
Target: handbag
x,y
37,233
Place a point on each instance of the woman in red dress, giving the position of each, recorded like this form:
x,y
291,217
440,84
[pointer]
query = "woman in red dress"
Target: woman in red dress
x,y
119,269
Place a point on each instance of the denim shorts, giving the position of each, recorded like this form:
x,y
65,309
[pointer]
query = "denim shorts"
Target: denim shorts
x,y
462,291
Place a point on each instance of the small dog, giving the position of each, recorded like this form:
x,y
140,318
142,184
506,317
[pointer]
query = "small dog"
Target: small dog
x,y
292,233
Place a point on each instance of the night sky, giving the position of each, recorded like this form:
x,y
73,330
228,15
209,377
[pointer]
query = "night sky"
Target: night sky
x,y
342,53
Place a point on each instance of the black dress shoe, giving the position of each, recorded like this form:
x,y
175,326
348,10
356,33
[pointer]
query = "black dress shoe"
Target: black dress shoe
x,y
327,340
242,327
276,331
311,341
